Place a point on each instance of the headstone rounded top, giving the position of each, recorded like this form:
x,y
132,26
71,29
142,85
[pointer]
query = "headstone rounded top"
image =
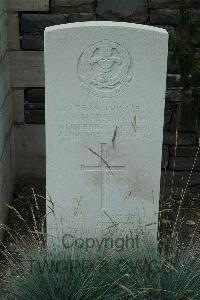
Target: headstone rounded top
x,y
106,24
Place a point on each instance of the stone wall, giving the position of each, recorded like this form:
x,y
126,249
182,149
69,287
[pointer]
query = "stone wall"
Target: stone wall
x,y
7,169
27,21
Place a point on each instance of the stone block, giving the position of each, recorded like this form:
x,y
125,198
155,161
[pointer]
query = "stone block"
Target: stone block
x,y
120,10
174,193
13,158
184,151
185,163
27,5
165,157
184,138
81,17
4,79
32,42
179,178
172,66
36,23
7,73
6,184
187,123
6,121
173,80
35,106
2,82
171,3
2,7
35,116
13,32
71,2
72,6
32,29
168,117
36,95
3,36
31,66
170,16
30,151
174,95
18,105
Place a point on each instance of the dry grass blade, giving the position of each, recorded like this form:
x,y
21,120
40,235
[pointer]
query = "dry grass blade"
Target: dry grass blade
x,y
102,159
129,292
16,212
183,194
114,137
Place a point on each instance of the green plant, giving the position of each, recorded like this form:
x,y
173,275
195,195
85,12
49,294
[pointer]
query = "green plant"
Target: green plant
x,y
186,39
140,273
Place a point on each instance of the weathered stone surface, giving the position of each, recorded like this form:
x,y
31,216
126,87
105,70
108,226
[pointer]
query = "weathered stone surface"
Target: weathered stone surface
x,y
182,118
168,117
165,157
169,16
91,110
32,29
184,163
32,42
184,138
187,123
71,2
36,95
13,32
35,116
3,36
31,66
2,7
36,23
173,80
120,10
184,151
164,16
30,151
72,6
33,25
18,105
170,29
174,193
6,183
4,79
179,178
171,3
2,82
81,17
35,106
174,95
172,65
6,122
27,5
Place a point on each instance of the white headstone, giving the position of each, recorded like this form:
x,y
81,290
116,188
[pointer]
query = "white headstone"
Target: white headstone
x,y
105,91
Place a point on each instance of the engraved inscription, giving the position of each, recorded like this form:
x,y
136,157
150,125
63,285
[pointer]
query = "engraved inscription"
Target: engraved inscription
x,y
99,121
104,68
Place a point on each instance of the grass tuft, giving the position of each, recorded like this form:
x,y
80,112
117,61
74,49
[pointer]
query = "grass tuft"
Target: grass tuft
x,y
142,272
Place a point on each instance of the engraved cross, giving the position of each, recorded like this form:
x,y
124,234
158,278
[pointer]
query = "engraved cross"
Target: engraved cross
x,y
104,169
